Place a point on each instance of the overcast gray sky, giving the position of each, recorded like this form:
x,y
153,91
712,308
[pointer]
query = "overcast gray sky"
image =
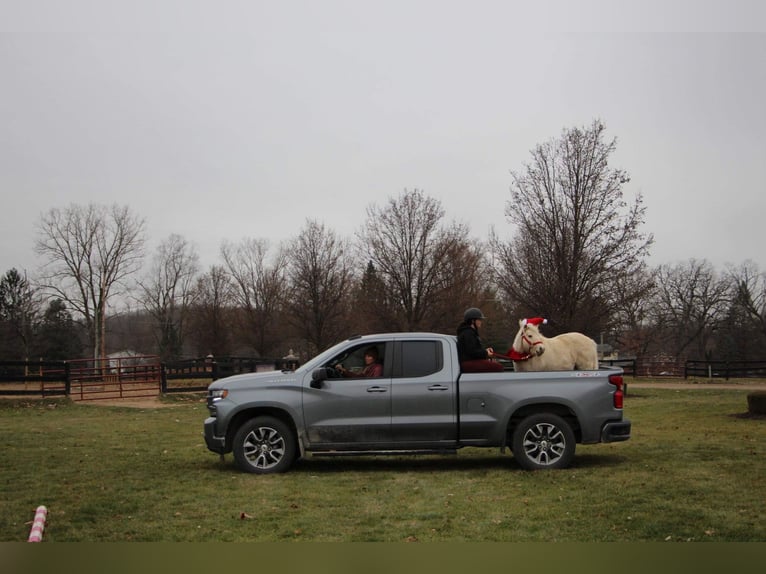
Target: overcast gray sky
x,y
224,120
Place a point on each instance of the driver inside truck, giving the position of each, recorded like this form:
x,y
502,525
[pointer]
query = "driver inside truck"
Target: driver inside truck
x,y
372,365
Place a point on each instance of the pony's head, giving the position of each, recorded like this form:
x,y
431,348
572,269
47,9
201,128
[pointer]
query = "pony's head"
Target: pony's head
x,y
529,340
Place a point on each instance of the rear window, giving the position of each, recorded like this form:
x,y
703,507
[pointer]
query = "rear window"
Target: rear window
x,y
420,358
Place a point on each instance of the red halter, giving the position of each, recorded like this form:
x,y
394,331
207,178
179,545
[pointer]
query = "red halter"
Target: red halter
x,y
513,354
530,343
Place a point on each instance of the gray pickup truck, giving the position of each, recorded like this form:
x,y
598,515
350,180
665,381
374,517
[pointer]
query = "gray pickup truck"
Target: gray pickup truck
x,y
422,403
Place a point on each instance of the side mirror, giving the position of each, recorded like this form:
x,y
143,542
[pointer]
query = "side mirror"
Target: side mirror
x,y
318,376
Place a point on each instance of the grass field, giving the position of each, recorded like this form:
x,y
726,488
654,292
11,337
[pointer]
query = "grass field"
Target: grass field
x,y
693,471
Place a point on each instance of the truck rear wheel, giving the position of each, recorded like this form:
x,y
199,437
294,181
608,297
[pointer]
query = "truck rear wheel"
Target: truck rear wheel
x,y
264,445
542,441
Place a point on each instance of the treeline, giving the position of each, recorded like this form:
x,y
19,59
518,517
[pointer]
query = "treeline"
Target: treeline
x,y
408,270
575,253
691,310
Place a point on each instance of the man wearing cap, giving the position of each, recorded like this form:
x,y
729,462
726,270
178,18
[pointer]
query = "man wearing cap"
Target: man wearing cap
x,y
474,358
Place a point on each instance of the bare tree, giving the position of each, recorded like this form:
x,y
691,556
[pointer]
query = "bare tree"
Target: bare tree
x,y
168,290
89,252
259,288
691,302
211,325
430,270
576,236
742,335
463,280
374,306
631,328
320,277
749,293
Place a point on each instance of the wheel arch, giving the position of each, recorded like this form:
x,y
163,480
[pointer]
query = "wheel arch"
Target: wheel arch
x,y
250,413
559,409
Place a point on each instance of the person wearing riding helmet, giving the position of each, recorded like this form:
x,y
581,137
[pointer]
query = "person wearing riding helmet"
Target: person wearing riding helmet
x,y
473,357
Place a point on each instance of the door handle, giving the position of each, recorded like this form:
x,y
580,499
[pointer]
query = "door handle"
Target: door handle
x,y
376,389
438,388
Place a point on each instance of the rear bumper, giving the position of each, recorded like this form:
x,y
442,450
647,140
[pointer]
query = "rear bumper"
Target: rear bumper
x,y
615,431
215,443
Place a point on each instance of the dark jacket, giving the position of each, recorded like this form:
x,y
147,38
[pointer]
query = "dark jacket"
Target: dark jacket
x,y
469,345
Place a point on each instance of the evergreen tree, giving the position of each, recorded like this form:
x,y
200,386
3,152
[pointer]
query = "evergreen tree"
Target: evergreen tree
x,y
58,337
17,315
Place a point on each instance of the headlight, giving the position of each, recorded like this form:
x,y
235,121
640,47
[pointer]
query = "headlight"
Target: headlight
x,y
213,396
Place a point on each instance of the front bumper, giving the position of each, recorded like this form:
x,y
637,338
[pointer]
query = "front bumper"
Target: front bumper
x,y
215,443
616,431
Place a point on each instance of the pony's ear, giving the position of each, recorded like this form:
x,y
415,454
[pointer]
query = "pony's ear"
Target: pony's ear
x,y
522,322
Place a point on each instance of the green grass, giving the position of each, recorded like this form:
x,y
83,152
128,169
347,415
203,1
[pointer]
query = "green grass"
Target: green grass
x,y
693,471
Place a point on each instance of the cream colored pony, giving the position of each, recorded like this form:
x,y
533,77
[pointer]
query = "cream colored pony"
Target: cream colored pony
x,y
532,351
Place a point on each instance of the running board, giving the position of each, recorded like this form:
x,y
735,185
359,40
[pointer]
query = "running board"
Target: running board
x,y
381,452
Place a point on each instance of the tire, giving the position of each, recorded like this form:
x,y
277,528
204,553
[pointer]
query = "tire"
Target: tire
x,y
264,445
543,441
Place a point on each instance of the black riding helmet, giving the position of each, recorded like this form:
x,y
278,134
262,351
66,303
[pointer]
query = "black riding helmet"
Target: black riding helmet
x,y
473,313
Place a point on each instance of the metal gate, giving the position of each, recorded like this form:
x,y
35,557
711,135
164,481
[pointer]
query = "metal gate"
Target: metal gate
x,y
115,378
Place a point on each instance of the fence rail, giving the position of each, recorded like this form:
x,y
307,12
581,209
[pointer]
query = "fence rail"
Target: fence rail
x,y
130,377
44,378
725,369
146,376
628,365
178,377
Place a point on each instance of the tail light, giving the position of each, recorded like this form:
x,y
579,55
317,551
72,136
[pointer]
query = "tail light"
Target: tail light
x,y
619,396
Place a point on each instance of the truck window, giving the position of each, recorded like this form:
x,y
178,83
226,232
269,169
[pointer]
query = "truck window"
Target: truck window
x,y
354,359
420,358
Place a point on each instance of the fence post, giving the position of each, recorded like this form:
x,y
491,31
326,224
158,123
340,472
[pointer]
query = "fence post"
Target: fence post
x,y
163,379
214,370
67,379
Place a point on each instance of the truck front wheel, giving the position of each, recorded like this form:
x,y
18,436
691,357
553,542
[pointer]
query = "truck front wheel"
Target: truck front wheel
x,y
543,441
264,445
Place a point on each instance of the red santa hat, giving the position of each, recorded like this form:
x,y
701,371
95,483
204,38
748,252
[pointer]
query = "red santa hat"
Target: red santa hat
x,y
534,321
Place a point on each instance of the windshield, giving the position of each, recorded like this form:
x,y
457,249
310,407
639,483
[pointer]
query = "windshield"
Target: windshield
x,y
322,358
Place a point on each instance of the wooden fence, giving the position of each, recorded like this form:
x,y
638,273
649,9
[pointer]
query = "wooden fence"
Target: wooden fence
x,y
628,365
679,367
184,376
129,377
725,369
146,376
44,378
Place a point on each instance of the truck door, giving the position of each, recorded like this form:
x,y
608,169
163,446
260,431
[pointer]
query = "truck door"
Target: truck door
x,y
350,412
422,395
